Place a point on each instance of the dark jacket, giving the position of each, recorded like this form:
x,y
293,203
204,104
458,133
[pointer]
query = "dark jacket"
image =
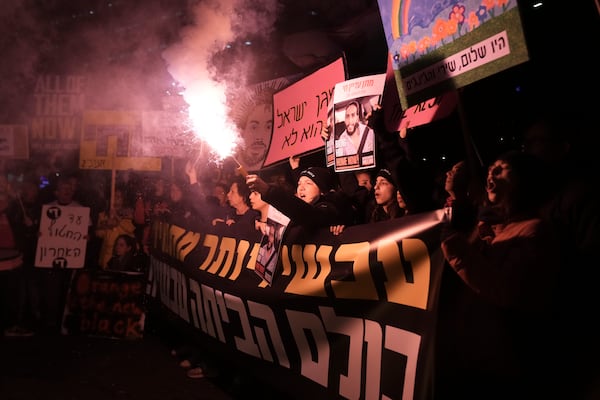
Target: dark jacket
x,y
332,208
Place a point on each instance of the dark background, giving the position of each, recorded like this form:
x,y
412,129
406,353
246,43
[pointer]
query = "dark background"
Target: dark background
x,y
121,45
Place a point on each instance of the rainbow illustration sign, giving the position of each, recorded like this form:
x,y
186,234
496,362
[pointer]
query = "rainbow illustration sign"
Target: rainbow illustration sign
x,y
438,47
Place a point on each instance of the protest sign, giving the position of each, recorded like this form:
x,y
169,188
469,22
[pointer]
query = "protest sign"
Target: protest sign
x,y
300,113
63,237
354,141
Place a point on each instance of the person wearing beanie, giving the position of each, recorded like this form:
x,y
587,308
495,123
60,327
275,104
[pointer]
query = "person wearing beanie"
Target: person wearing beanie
x,y
319,176
315,204
358,186
386,204
510,262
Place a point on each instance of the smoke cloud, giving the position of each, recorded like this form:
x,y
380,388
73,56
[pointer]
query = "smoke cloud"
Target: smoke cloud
x,y
215,32
184,55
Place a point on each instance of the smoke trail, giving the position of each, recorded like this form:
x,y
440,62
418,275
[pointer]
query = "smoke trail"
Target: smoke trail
x,y
21,42
206,88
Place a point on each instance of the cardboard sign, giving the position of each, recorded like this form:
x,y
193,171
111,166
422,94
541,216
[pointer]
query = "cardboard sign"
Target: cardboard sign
x,y
354,141
105,304
300,113
63,237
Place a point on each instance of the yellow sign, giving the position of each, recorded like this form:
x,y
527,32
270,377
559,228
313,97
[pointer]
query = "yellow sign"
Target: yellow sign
x,y
106,140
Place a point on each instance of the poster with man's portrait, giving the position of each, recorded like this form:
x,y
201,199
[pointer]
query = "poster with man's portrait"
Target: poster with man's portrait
x,y
353,140
252,113
270,244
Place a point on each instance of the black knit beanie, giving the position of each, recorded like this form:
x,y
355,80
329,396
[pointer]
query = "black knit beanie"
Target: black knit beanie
x,y
321,176
385,173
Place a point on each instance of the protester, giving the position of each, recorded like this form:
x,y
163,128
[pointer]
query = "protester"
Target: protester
x,y
456,183
395,153
55,280
25,210
206,208
358,186
258,204
185,205
560,143
220,208
141,218
159,198
364,179
387,206
315,203
387,202
464,193
113,223
401,203
509,259
64,193
126,255
459,307
11,261
242,222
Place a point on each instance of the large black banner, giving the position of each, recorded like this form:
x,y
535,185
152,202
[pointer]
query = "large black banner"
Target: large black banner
x,y
349,316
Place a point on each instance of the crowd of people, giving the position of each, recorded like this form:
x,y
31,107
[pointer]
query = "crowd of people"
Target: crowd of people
x,y
519,246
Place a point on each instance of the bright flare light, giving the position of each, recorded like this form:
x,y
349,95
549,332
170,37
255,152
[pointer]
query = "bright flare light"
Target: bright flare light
x,y
188,64
210,123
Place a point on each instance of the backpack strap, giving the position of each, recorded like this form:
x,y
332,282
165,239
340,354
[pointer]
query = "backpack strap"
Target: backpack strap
x,y
363,140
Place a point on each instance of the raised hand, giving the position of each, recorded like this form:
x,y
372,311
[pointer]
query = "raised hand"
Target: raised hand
x,y
326,132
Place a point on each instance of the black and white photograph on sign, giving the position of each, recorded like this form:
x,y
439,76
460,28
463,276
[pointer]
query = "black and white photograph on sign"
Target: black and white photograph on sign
x,y
269,250
354,140
270,243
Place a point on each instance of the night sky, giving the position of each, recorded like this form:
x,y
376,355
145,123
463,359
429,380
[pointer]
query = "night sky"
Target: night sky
x,y
134,53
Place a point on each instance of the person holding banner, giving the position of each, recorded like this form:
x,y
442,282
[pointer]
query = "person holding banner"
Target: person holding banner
x,y
315,204
387,202
56,280
258,204
510,262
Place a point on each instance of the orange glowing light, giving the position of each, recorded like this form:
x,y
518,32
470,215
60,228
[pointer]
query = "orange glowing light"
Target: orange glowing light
x,y
208,115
